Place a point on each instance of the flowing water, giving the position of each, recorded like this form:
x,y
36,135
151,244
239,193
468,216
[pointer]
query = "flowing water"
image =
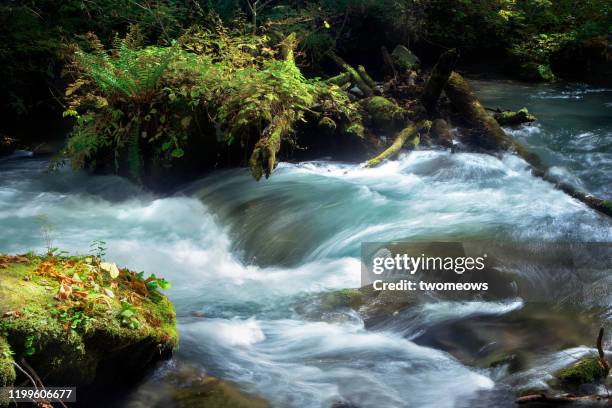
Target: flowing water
x,y
243,253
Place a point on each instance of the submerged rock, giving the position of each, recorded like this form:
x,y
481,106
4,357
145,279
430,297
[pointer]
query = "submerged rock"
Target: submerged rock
x,y
181,385
79,321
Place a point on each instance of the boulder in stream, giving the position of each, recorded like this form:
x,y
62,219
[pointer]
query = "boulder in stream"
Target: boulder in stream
x,y
79,321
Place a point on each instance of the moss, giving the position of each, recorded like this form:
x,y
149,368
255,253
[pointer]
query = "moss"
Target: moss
x,y
66,316
383,113
7,370
514,118
342,298
584,371
328,123
403,57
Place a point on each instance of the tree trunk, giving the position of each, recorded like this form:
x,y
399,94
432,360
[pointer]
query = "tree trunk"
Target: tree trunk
x,y
438,79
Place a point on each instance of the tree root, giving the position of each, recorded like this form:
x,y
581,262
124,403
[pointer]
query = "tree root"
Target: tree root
x,y
411,131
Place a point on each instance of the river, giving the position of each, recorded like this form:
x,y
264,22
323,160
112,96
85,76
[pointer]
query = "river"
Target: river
x,y
241,253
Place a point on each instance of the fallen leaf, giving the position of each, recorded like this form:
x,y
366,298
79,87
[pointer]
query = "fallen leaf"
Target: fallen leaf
x,y
111,268
64,292
109,293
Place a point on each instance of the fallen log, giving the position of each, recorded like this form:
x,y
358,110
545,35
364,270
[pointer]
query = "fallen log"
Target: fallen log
x,y
340,79
359,81
438,78
488,134
509,118
409,132
366,77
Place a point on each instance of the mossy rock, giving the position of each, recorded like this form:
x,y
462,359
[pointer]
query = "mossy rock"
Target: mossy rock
x,y
405,58
584,371
532,71
384,114
76,323
509,118
342,298
7,370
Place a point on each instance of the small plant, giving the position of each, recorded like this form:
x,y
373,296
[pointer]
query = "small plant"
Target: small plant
x,y
47,228
127,316
28,345
98,248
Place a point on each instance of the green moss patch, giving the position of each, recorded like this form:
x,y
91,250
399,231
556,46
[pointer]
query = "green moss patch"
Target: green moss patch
x,y
584,371
342,298
68,315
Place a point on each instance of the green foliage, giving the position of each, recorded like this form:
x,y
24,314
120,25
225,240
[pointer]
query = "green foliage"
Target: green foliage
x,y
134,99
127,316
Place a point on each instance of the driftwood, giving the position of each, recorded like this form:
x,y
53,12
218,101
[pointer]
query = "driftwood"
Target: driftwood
x,y
357,79
409,132
438,79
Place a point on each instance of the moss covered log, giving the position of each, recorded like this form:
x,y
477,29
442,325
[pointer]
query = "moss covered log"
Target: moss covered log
x,y
357,79
77,320
263,159
410,132
383,114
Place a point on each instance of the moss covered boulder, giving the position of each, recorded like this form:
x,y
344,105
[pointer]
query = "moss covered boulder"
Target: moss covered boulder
x,y
80,321
383,114
584,371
